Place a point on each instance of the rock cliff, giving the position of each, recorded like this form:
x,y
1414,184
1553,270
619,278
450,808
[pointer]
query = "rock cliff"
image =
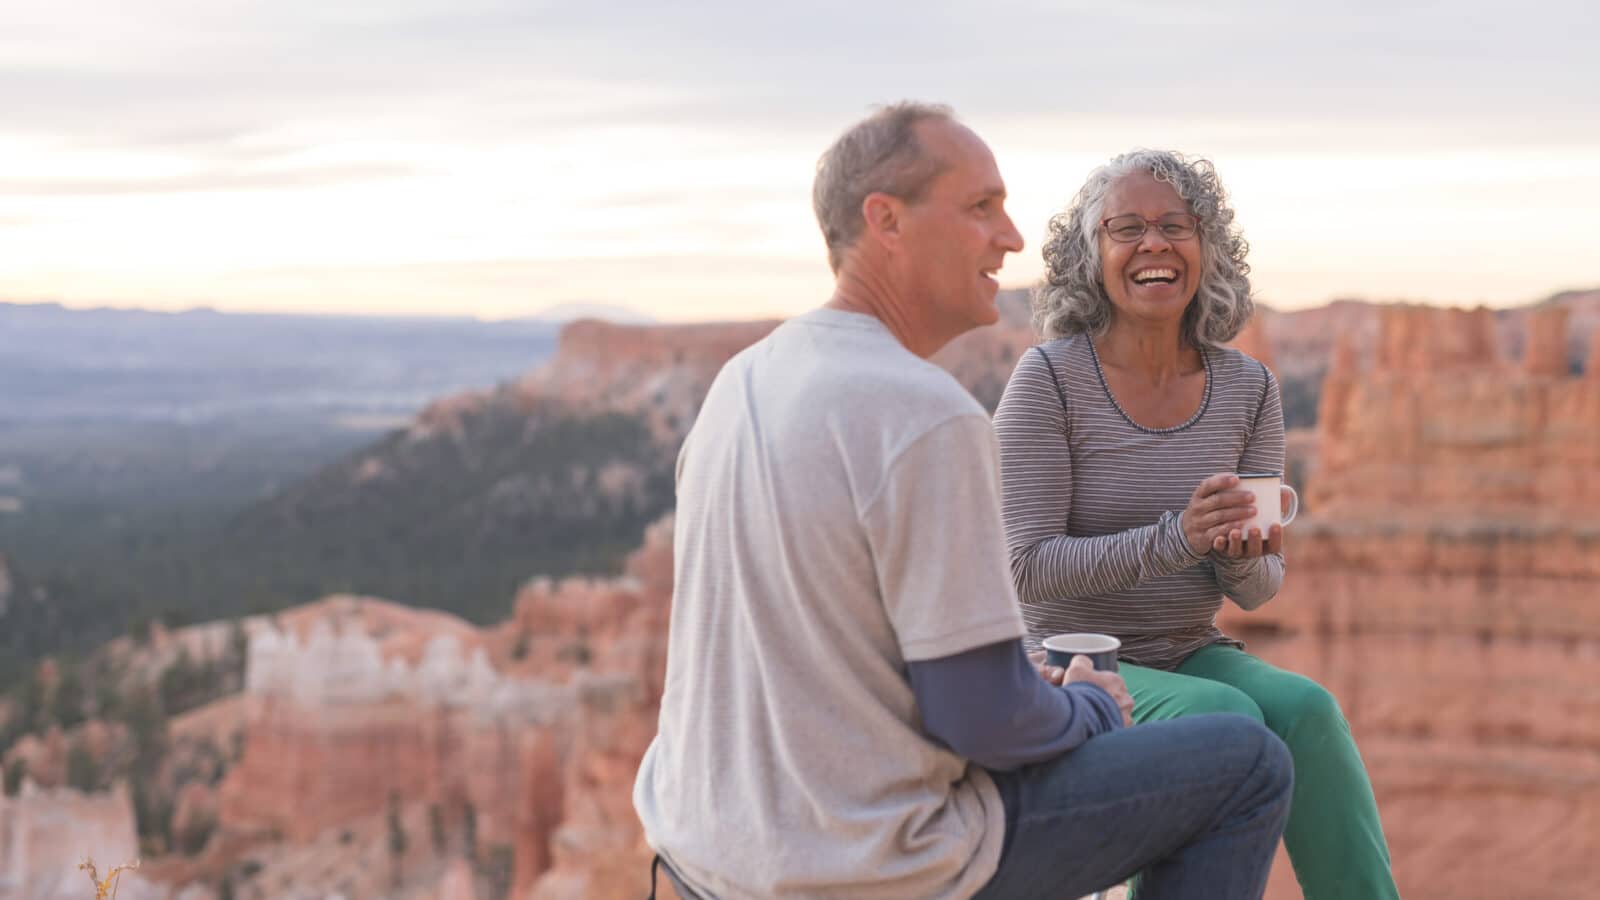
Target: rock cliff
x,y
532,729
45,833
1441,586
1443,433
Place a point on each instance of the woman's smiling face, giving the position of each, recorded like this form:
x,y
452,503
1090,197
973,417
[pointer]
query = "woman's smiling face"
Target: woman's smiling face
x,y
1155,277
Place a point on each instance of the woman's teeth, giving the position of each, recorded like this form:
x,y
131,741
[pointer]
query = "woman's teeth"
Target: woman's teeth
x,y
1155,276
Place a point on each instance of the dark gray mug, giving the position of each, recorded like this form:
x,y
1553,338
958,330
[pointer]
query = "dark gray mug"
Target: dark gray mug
x,y
1059,649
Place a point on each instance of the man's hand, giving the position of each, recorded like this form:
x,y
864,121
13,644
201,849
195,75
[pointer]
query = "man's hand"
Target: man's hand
x,y
1052,674
1082,669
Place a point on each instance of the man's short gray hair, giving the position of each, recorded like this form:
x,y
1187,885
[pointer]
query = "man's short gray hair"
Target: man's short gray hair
x,y
878,155
1072,299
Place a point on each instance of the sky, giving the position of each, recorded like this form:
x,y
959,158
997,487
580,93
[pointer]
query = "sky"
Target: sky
x,y
498,158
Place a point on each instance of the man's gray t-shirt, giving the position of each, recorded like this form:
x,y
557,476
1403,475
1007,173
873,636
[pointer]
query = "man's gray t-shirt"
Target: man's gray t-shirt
x,y
838,517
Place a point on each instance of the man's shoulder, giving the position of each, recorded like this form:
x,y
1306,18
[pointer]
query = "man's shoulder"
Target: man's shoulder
x,y
910,397
853,355
913,376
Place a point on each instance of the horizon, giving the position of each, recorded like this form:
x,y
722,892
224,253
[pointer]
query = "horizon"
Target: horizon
x,y
485,159
631,316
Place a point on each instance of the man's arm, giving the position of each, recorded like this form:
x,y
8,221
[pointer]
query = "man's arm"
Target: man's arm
x,y
990,705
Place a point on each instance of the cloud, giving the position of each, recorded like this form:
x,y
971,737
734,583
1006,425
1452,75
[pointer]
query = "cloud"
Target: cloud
x,y
427,68
198,182
563,131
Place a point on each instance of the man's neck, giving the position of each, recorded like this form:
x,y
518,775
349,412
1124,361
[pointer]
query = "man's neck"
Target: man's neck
x,y
874,297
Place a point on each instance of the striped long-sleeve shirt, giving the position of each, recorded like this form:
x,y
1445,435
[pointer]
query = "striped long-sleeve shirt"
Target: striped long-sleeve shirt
x,y
1092,500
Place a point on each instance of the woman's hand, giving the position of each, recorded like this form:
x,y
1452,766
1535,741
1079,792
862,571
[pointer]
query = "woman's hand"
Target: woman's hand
x,y
1238,545
1215,511
1241,546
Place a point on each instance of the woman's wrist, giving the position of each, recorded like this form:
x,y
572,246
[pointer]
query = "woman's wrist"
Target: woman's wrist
x,y
1173,526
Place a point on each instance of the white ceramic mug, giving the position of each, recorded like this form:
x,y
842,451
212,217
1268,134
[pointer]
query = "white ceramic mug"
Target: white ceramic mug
x,y
1268,488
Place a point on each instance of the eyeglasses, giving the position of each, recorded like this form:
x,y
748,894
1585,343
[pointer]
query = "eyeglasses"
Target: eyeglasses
x,y
1129,228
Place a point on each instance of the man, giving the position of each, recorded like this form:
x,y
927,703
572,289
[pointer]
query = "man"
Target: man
x,y
848,710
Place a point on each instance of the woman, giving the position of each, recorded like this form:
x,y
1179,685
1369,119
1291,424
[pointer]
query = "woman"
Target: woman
x,y
1119,437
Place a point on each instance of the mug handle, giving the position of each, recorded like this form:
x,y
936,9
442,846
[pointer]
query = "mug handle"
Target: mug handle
x,y
1294,506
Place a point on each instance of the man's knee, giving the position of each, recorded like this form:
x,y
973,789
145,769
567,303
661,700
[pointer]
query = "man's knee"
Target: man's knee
x,y
1245,753
1267,762
1276,765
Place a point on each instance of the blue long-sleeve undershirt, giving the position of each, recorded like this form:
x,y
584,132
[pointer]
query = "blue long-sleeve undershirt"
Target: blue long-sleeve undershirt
x,y
990,705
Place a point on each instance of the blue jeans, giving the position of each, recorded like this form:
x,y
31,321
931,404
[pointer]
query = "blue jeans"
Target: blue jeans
x,y
1196,805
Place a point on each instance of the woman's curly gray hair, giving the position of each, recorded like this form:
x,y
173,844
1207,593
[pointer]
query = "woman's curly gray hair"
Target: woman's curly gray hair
x,y
1072,299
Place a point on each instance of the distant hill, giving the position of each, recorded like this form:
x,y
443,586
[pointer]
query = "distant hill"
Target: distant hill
x,y
103,366
610,312
555,473
129,438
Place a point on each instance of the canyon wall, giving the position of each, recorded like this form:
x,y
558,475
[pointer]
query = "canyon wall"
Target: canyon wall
x,y
1443,586
46,832
531,729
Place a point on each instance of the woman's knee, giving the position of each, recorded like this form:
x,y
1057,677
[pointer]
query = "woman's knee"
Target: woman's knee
x,y
1216,697
1303,705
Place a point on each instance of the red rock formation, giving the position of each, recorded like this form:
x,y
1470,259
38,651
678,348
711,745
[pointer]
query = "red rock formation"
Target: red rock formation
x,y
659,371
662,372
1426,339
445,415
45,758
45,833
1471,445
982,359
356,699
457,882
194,815
1253,342
1441,587
1546,351
598,848
99,739
1303,340
1341,379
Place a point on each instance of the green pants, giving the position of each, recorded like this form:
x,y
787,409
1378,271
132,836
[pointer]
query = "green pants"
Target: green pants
x,y
1334,839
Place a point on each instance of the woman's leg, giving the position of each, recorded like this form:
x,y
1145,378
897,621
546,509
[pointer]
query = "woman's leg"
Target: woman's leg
x,y
1334,838
1159,696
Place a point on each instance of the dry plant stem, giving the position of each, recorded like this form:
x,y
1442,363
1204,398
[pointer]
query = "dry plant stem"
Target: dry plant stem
x,y
112,882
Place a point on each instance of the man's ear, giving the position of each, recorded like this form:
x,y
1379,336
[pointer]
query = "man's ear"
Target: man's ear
x,y
882,214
